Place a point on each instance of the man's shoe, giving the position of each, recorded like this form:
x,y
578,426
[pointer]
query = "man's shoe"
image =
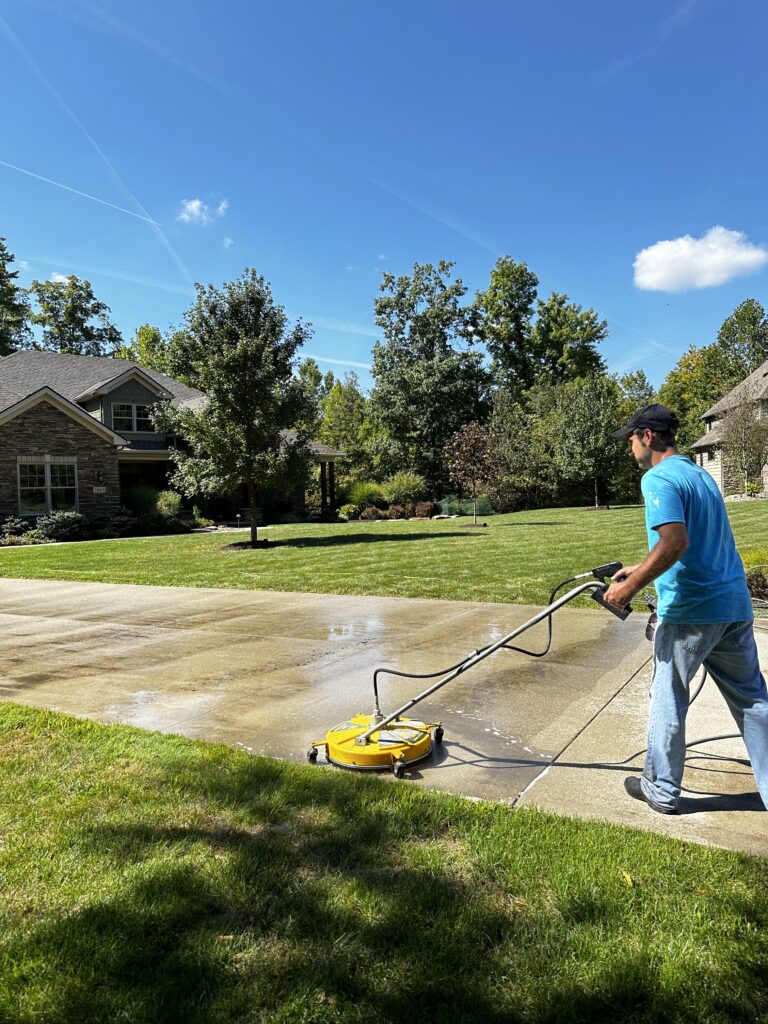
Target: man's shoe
x,y
634,787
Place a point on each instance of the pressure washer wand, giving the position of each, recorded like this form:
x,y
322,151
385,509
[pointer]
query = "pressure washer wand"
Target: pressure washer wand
x,y
474,659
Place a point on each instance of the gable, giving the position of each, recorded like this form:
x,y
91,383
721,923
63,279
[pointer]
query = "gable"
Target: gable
x,y
74,412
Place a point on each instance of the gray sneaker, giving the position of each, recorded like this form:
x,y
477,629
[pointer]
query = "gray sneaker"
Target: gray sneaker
x,y
634,787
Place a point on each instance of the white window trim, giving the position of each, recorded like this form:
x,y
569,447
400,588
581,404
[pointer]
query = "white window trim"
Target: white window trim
x,y
133,406
48,460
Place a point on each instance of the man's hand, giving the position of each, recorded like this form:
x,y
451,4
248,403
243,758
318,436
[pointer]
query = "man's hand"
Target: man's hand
x,y
623,573
619,594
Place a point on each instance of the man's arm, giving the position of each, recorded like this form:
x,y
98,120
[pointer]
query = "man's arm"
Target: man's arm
x,y
671,545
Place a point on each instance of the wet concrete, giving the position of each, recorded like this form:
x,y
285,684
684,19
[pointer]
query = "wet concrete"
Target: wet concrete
x,y
719,804
271,672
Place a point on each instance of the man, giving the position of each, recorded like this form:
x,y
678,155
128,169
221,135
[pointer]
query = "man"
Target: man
x,y
704,609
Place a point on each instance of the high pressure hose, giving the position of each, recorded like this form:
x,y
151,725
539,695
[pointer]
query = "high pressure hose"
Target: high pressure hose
x,y
600,572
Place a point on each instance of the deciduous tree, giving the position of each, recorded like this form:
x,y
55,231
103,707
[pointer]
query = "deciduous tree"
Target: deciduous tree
x,y
429,380
73,320
148,348
236,347
745,438
473,461
529,338
583,446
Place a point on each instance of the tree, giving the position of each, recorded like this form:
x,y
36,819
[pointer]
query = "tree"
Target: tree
x,y
344,412
472,458
237,348
701,377
565,337
636,391
316,387
559,343
744,336
583,446
74,321
148,348
14,306
428,379
745,438
506,309
525,430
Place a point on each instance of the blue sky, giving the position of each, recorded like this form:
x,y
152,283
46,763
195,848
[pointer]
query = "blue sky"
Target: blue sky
x,y
619,149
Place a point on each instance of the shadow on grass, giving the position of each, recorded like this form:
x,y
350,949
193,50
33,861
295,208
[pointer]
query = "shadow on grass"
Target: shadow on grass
x,y
329,901
341,539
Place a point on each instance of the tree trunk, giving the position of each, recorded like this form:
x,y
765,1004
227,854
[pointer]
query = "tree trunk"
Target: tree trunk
x,y
597,497
252,500
474,508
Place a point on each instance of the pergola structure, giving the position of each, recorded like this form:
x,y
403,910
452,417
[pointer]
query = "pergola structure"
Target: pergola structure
x,y
327,458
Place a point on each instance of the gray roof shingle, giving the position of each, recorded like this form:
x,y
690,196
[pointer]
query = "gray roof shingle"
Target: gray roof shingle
x,y
755,385
23,373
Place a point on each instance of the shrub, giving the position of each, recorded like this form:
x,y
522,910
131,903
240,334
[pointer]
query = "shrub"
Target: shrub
x,y
168,504
61,525
397,512
367,494
757,581
370,512
115,523
15,526
402,487
141,500
426,509
13,540
754,487
350,511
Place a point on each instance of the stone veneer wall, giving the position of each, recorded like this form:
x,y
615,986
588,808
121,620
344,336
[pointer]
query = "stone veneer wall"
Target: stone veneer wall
x,y
45,430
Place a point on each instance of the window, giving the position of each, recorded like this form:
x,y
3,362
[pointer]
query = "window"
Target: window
x,y
47,483
710,455
131,418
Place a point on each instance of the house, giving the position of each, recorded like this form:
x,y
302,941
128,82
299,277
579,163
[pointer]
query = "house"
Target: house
x,y
708,451
75,433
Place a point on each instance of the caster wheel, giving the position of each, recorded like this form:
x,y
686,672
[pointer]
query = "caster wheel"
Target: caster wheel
x,y
398,769
438,735
312,755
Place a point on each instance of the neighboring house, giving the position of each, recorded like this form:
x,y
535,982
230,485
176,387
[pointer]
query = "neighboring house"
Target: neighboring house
x,y
75,433
708,451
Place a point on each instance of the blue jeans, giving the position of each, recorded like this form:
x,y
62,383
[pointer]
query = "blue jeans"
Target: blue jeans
x,y
729,653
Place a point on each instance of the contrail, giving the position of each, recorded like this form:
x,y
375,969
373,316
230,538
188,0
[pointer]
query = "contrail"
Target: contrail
x,y
77,192
337,362
103,156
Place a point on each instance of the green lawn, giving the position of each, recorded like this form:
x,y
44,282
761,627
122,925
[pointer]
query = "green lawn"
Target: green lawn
x,y
150,878
517,559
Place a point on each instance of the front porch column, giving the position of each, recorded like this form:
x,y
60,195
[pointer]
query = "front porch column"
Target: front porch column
x,y
323,490
332,484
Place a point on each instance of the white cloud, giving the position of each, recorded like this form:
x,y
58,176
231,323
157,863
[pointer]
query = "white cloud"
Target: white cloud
x,y
381,256
57,277
677,264
228,242
195,211
24,264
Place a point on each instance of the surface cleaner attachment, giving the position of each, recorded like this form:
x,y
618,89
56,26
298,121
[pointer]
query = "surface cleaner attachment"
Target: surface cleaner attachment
x,y
392,742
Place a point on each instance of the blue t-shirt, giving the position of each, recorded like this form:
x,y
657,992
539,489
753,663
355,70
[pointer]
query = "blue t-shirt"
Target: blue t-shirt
x,y
707,584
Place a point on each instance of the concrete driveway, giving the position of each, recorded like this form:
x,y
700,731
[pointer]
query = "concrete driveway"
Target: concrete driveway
x,y
270,672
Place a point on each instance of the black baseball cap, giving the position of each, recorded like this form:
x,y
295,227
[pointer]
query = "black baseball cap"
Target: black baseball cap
x,y
655,417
